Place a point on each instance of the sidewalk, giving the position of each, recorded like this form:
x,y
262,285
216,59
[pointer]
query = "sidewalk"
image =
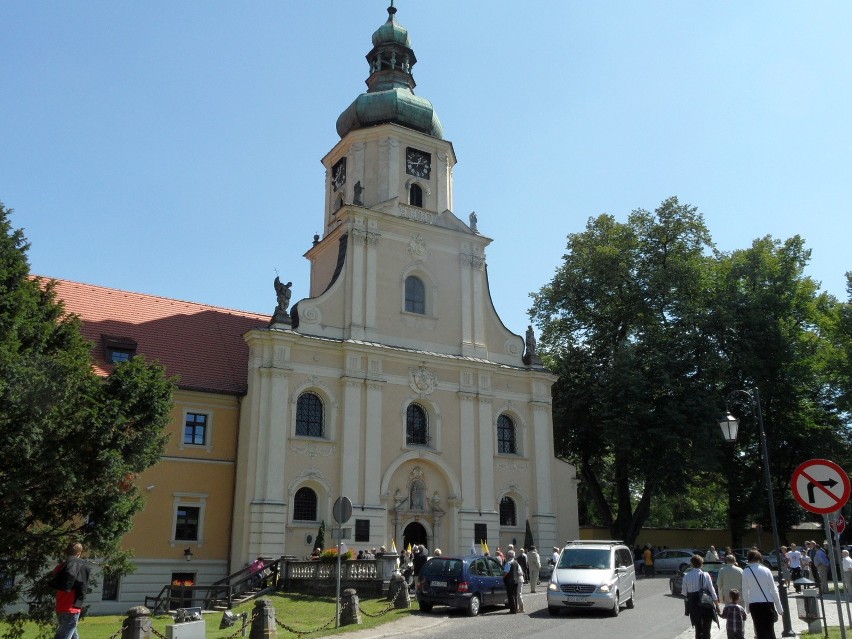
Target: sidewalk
x,y
796,624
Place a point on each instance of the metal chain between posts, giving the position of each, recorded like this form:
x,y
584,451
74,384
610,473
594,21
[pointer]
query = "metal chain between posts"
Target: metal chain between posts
x,y
157,634
245,624
281,624
401,592
118,632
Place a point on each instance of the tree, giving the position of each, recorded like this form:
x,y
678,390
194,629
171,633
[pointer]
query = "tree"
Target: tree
x,y
74,441
624,323
320,541
783,336
529,542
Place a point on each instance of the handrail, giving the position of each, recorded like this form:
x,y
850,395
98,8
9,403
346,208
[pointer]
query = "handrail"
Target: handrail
x,y
223,590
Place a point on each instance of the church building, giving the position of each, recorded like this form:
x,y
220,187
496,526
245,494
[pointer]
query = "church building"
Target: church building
x,y
394,383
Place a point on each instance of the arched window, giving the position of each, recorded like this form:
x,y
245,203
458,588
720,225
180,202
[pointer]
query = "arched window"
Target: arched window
x,y
416,495
416,426
415,195
305,505
415,295
309,416
506,437
508,513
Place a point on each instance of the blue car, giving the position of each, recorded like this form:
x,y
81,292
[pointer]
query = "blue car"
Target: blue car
x,y
461,582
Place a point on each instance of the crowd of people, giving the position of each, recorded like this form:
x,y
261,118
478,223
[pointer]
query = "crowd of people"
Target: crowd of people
x,y
753,590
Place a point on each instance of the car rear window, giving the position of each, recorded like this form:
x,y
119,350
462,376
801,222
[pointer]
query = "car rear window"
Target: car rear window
x,y
446,567
584,558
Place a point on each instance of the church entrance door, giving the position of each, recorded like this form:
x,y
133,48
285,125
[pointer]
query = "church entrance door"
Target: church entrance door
x,y
414,534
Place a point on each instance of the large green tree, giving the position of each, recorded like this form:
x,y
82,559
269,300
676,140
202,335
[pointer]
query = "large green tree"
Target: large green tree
x,y
780,335
72,441
624,323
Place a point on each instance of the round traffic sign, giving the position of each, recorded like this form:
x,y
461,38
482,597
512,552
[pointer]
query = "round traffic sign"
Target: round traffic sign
x,y
838,525
342,510
820,486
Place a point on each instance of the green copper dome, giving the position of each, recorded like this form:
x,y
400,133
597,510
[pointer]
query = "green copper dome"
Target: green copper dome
x,y
391,31
390,87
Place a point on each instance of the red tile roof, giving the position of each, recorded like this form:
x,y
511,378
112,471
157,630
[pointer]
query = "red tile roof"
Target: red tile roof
x,y
203,345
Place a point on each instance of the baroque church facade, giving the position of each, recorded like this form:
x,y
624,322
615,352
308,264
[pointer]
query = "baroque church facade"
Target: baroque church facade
x,y
394,383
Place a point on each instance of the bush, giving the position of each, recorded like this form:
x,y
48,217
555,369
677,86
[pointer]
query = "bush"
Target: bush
x,y
331,555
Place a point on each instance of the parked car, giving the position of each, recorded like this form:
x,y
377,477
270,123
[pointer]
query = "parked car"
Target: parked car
x,y
710,567
545,572
770,560
593,574
465,582
673,559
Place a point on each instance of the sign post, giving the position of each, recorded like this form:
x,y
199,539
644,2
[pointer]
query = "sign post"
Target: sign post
x,y
823,487
342,511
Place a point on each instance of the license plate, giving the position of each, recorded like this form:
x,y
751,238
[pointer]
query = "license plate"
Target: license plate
x,y
577,599
439,584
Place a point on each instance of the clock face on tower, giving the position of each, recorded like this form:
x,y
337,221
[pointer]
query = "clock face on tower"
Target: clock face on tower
x,y
338,174
418,163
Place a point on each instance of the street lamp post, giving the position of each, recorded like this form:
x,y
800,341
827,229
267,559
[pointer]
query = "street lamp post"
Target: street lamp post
x,y
730,426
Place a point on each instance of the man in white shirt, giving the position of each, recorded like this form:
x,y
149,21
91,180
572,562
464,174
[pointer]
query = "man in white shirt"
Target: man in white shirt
x,y
534,563
554,558
760,595
794,557
847,574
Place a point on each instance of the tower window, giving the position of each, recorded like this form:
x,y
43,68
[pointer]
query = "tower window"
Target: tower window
x,y
415,295
416,426
415,195
506,436
305,505
309,419
508,512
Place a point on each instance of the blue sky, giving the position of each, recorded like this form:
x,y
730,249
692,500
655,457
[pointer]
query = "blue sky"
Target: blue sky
x,y
174,148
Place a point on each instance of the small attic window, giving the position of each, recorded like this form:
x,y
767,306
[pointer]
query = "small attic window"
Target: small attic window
x,y
118,349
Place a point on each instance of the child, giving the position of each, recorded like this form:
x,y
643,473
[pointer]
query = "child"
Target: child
x,y
736,616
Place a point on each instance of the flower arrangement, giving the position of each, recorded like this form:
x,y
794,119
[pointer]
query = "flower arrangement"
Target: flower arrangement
x,y
183,582
330,555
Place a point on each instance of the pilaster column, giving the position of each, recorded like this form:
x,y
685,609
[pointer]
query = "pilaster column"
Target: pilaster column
x,y
350,457
486,454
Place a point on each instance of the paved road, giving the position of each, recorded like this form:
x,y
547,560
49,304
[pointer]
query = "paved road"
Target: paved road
x,y
657,615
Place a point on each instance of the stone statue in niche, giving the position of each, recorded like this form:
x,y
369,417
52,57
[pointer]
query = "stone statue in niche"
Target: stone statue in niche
x,y
358,189
473,222
282,293
417,496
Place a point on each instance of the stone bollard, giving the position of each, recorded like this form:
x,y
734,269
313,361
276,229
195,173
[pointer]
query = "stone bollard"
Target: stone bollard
x,y
263,620
398,591
138,624
349,611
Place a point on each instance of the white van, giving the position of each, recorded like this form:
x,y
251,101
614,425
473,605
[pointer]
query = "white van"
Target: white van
x,y
592,574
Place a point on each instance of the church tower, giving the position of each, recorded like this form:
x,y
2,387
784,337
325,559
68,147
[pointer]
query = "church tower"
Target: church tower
x,y
395,383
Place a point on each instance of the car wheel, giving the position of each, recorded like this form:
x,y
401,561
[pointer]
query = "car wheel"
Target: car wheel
x,y
614,611
630,604
425,607
554,612
473,606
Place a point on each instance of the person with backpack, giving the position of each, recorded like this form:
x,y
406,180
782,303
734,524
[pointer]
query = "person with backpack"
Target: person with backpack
x,y
70,580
